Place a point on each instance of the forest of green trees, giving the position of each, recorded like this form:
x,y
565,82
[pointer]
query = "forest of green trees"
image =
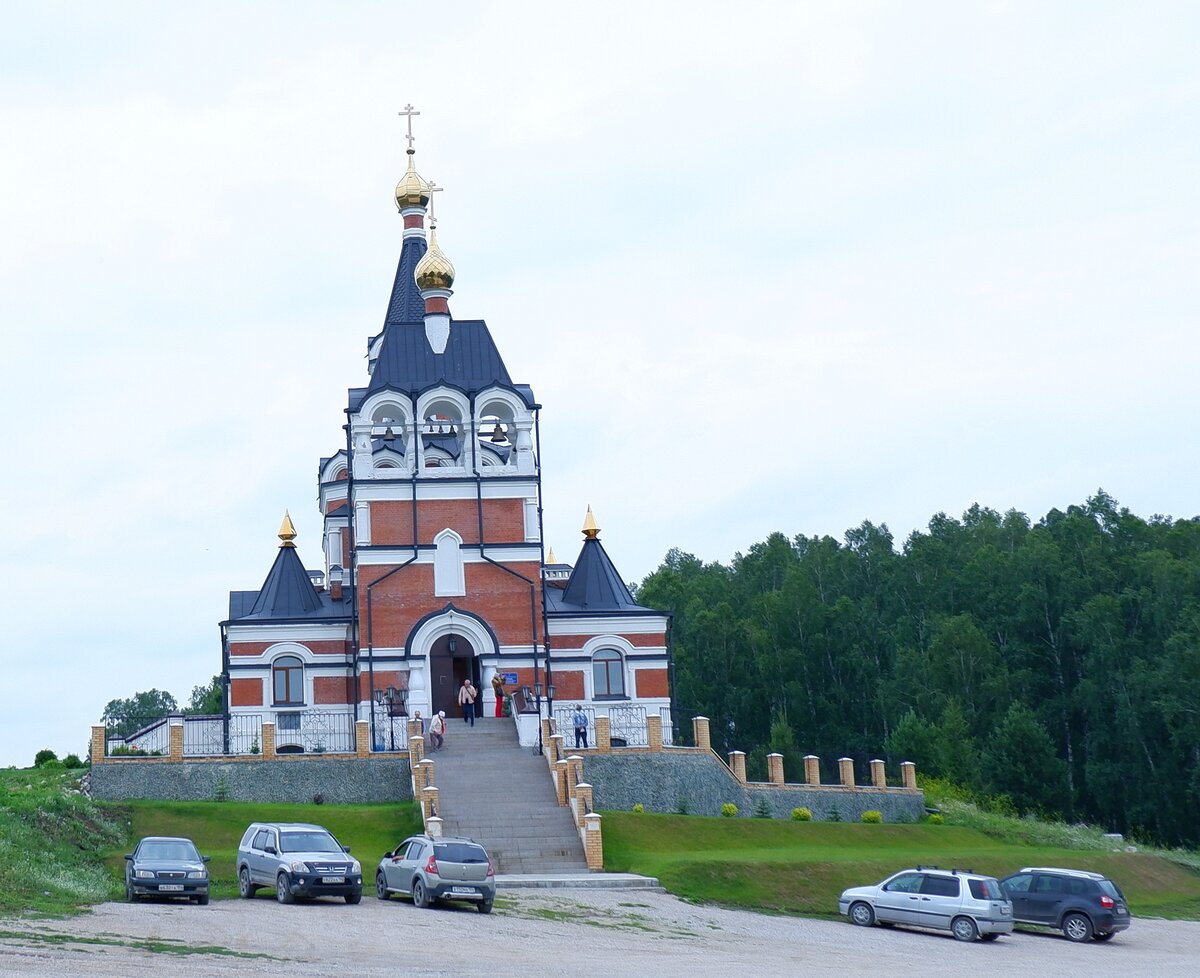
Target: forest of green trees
x,y
1055,664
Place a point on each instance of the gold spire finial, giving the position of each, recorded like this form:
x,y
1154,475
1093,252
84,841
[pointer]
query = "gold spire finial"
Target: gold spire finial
x,y
550,558
411,191
409,111
590,530
287,531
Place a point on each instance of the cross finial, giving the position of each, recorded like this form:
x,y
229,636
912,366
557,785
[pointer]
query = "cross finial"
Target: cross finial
x,y
432,188
409,111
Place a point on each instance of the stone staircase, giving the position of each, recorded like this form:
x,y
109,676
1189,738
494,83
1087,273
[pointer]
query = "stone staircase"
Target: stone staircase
x,y
501,795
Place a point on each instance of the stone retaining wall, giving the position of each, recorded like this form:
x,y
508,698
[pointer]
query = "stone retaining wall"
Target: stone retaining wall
x,y
701,782
346,780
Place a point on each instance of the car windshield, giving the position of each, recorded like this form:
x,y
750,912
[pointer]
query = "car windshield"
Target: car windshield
x,y
459,852
175,851
1111,888
986,890
308,842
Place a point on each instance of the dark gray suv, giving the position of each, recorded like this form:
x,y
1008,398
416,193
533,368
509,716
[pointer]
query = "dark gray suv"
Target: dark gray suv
x,y
1084,906
299,860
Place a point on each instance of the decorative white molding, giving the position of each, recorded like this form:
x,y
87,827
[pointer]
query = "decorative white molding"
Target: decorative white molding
x,y
470,555
648,625
296,632
448,577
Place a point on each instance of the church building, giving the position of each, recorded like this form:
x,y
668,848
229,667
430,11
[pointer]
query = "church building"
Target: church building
x,y
434,568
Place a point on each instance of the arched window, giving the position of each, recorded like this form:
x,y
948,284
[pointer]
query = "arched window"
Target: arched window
x,y
287,680
608,673
448,576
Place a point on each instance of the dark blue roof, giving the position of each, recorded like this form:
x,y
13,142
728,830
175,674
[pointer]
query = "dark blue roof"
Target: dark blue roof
x,y
406,304
594,586
470,362
287,594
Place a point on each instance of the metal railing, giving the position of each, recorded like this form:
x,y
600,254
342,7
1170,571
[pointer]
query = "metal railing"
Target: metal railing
x,y
137,735
668,730
627,726
314,732
391,732
564,723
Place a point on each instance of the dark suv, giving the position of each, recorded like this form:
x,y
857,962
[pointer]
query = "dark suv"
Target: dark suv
x,y
1084,906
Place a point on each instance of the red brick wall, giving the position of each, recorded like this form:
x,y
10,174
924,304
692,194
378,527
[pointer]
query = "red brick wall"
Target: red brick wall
x,y
331,689
391,521
653,641
568,685
331,647
651,682
495,596
246,692
383,679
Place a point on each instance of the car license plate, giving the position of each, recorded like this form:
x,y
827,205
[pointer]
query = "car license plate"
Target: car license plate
x,y
170,887
463,889
333,879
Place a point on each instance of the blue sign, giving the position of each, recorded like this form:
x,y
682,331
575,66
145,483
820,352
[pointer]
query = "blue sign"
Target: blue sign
x,y
509,678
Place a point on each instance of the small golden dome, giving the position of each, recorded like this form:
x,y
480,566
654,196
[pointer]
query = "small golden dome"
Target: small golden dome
x,y
411,191
434,271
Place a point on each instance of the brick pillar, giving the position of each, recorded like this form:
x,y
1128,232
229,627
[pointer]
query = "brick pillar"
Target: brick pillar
x,y
812,769
427,772
175,738
593,843
556,752
700,732
414,729
737,764
433,826
583,801
574,773
268,739
654,732
846,771
362,738
99,741
560,780
416,750
878,774
775,768
429,801
603,735
547,729
908,770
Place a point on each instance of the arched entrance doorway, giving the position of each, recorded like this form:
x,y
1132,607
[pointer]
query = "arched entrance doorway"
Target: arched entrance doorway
x,y
452,659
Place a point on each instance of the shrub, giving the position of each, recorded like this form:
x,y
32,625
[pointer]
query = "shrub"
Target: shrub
x,y
681,806
801,815
729,810
42,756
72,760
872,817
51,765
638,808
936,819
835,814
762,809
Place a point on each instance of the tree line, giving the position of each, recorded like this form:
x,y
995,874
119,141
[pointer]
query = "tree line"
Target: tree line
x,y
1055,666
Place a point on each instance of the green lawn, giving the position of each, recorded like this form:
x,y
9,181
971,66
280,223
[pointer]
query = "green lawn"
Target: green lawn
x,y
801,867
217,827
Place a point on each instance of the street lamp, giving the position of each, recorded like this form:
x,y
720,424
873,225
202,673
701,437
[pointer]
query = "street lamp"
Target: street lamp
x,y
394,698
538,689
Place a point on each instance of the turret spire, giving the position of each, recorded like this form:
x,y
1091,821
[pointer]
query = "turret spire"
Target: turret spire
x,y
287,531
591,530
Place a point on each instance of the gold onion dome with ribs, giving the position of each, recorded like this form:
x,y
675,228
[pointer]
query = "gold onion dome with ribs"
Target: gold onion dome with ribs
x,y
434,271
411,191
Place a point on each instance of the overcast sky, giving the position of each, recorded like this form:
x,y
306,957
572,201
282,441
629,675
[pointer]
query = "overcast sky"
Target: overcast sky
x,y
767,267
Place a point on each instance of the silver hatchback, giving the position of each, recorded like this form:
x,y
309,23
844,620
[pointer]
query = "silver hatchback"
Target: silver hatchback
x,y
967,904
429,869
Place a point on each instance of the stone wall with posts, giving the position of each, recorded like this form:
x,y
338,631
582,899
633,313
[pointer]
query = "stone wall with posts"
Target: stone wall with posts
x,y
291,778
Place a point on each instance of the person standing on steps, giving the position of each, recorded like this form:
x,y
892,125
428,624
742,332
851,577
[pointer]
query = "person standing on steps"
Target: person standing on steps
x,y
437,731
579,721
466,699
498,689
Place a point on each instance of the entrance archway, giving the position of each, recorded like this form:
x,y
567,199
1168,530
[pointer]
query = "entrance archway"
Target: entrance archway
x,y
452,659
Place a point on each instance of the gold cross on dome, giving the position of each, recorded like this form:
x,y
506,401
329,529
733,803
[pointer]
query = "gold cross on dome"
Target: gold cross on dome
x,y
410,112
433,188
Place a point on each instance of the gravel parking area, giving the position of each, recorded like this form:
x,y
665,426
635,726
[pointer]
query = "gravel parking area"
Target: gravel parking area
x,y
532,934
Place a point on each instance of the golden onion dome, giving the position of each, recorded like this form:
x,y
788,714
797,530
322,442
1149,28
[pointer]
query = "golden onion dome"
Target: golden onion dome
x,y
411,191
434,270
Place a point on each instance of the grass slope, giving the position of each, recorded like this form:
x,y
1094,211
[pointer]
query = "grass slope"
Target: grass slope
x,y
802,867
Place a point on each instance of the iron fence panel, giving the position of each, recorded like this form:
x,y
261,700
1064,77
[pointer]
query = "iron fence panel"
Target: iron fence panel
x,y
137,735
314,732
668,730
564,723
391,732
627,726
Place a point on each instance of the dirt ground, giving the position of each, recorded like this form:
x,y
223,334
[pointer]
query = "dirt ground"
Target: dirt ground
x,y
611,934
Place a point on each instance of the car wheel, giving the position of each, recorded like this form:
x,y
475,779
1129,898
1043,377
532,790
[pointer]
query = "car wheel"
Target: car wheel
x,y
202,899
862,914
484,906
129,894
245,887
1077,928
420,896
964,929
1104,937
988,937
354,897
381,890
283,889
